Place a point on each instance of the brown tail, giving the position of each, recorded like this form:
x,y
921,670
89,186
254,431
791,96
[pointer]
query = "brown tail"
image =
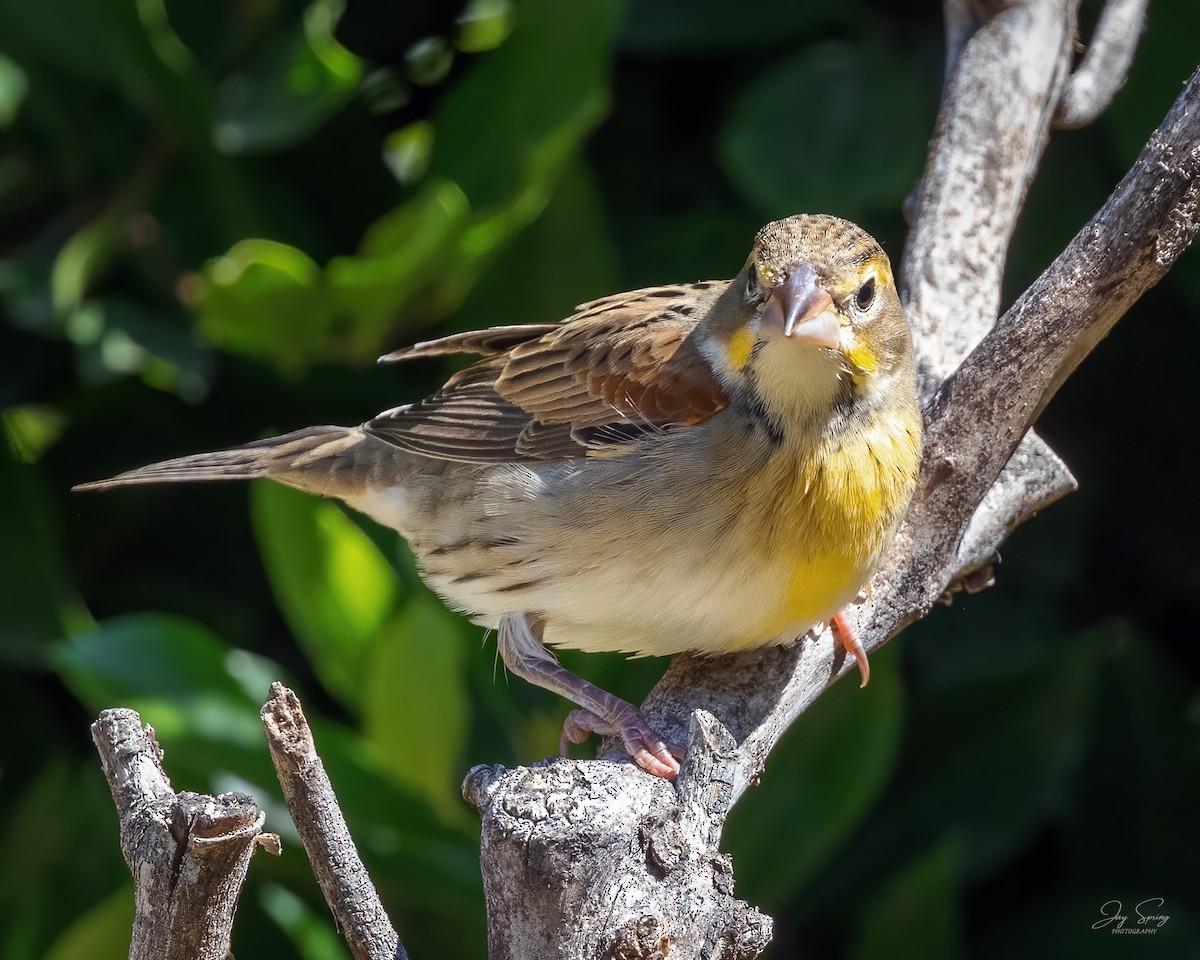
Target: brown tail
x,y
319,459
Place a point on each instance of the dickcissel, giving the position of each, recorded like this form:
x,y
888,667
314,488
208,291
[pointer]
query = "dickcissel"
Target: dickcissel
x,y
706,467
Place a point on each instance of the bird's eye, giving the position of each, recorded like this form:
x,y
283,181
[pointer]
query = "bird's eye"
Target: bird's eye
x,y
753,289
866,295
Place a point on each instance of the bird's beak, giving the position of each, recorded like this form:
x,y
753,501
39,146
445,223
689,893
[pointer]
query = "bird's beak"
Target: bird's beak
x,y
801,309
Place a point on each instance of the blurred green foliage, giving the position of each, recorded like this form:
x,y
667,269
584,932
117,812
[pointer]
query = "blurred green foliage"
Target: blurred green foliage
x,y
214,217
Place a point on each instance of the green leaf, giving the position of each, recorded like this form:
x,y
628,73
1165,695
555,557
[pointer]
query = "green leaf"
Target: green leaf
x,y
38,599
333,585
416,709
146,653
103,933
407,151
13,86
512,122
313,936
400,253
828,130
484,25
57,859
427,62
568,273
267,300
31,430
501,141
117,335
304,78
1142,759
67,47
176,673
916,912
129,47
823,778
88,254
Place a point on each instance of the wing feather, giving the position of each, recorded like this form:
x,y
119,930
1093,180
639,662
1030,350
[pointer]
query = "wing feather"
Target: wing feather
x,y
620,368
484,343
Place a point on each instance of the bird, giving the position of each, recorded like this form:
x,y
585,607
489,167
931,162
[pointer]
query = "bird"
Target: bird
x,y
697,468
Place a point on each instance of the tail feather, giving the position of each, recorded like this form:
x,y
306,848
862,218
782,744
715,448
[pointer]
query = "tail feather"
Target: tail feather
x,y
310,459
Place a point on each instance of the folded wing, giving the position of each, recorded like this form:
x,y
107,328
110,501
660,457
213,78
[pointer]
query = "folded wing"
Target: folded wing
x,y
619,369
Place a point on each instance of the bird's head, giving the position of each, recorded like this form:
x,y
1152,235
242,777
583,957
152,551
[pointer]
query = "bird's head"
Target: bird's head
x,y
812,325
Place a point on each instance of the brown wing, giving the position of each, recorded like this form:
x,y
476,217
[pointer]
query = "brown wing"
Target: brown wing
x,y
617,370
484,343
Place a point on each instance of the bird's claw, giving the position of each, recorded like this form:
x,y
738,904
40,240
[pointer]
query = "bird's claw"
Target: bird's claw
x,y
648,750
844,635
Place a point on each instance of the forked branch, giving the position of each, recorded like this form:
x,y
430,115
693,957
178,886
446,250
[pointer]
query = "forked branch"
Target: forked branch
x,y
188,853
984,471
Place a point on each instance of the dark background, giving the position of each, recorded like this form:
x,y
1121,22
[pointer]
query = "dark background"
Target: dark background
x,y
214,216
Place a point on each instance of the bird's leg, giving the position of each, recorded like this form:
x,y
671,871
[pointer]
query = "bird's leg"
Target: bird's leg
x,y
845,636
524,654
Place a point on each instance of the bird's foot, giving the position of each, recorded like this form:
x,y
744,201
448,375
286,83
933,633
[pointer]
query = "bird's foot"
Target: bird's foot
x,y
521,648
648,749
845,636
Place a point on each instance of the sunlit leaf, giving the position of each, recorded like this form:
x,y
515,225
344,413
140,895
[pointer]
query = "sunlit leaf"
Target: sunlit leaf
x,y
32,429
313,936
85,257
171,670
484,25
268,300
399,255
332,583
415,706
514,120
406,151
502,140
13,85
567,273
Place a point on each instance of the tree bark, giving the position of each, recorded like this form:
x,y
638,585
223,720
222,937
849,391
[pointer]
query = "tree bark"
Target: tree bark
x,y
593,834
594,858
310,800
188,853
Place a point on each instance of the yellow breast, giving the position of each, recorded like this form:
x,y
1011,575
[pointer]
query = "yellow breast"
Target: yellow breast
x,y
832,510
